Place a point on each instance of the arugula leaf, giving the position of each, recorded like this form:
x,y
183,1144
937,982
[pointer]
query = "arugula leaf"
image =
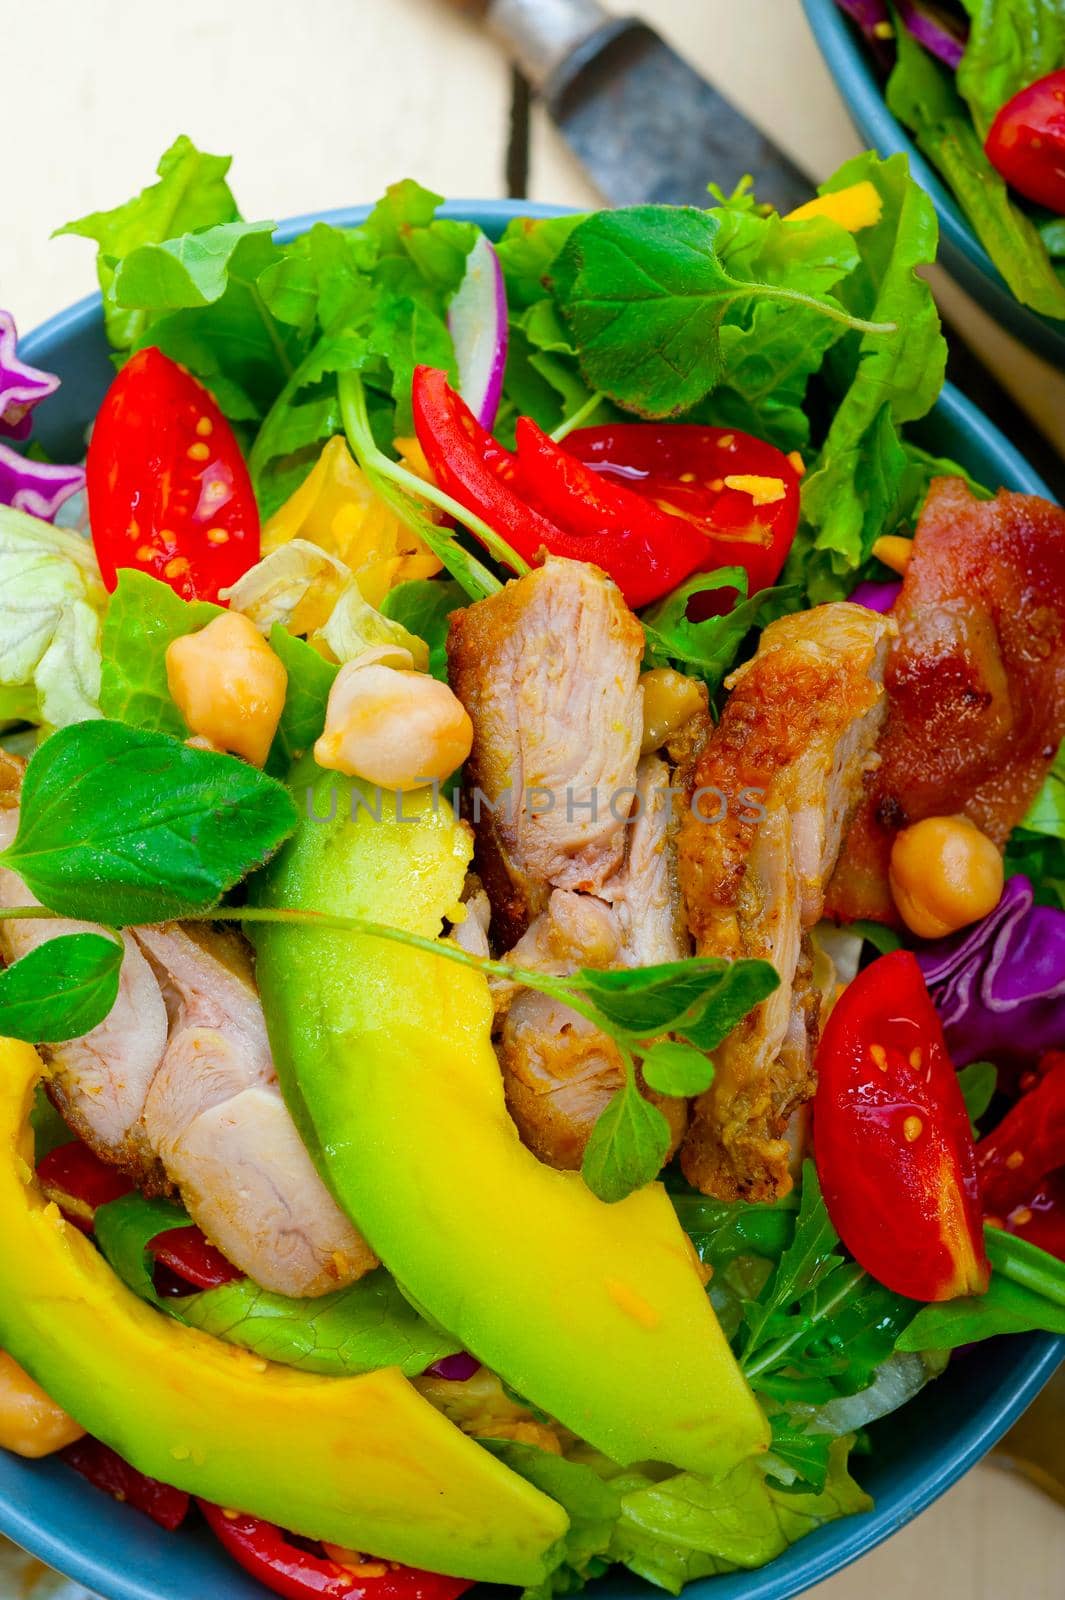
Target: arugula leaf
x,y
709,648
362,1328
422,606
1007,1307
921,93
811,1256
122,826
192,270
805,1455
645,292
861,485
1025,1264
721,1230
191,193
978,1082
1012,43
61,989
627,1146
144,617
310,678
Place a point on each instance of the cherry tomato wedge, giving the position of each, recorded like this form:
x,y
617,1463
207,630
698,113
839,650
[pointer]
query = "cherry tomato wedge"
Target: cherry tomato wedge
x,y
892,1140
1026,143
78,1181
187,1254
1028,1144
169,492
1041,1219
107,1471
548,497
296,1570
683,467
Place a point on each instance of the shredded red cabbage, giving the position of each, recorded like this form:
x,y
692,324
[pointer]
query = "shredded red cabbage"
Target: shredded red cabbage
x,y
877,596
36,487
870,15
458,1368
21,387
999,987
941,35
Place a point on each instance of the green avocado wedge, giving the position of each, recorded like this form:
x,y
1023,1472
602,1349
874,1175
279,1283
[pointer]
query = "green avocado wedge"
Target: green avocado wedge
x,y
593,1313
362,1462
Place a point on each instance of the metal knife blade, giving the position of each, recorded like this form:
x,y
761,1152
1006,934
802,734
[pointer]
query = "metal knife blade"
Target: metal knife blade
x,y
643,123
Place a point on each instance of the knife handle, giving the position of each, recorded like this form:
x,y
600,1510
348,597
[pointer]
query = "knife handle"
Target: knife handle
x,y
547,39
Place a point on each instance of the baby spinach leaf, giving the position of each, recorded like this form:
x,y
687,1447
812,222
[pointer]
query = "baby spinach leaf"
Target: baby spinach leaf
x,y
61,989
645,292
143,618
122,826
709,648
191,193
627,1146
310,678
423,606
362,1328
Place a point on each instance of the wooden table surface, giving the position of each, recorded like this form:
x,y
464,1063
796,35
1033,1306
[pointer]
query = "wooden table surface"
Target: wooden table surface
x,y
322,103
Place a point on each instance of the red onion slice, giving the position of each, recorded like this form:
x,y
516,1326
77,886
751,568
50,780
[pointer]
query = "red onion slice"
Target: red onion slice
x,y
932,29
477,320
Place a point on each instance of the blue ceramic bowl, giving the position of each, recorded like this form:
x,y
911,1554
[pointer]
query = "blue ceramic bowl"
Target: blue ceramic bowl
x,y
919,1453
960,252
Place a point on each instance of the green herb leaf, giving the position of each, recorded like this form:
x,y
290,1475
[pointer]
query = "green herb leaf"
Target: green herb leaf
x,y
423,606
882,938
978,1082
644,292
310,678
362,1328
121,826
191,193
61,989
627,1146
143,619
674,1068
702,998
709,648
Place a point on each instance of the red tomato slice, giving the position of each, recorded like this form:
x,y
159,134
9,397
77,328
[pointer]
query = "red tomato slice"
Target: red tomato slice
x,y
1027,142
187,1253
1042,1219
682,467
107,1471
294,1568
78,1181
169,492
892,1140
1028,1144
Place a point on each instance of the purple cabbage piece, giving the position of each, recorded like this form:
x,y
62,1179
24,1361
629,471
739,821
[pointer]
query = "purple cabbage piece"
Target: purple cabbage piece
x,y
21,387
932,29
999,987
457,1368
36,487
870,15
877,596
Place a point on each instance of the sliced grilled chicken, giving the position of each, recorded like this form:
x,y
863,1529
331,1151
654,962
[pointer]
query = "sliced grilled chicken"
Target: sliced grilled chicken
x,y
644,895
99,1082
548,670
560,1074
177,1087
216,1118
787,757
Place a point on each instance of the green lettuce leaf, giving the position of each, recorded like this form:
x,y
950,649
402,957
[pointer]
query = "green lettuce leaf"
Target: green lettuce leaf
x,y
423,606
1012,43
192,193
145,616
362,1328
49,621
922,95
310,678
592,1503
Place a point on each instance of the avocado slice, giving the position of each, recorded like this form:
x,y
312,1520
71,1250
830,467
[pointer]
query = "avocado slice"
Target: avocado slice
x,y
361,1462
594,1313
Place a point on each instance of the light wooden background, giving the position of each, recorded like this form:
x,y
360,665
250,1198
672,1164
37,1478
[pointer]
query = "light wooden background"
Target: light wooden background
x,y
323,102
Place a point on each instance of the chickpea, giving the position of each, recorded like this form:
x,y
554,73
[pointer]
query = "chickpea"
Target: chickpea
x,y
31,1424
669,701
944,874
228,685
894,551
393,727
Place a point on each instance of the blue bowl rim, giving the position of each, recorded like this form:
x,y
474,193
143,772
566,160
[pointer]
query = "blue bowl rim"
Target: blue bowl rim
x,y
822,1553
853,73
